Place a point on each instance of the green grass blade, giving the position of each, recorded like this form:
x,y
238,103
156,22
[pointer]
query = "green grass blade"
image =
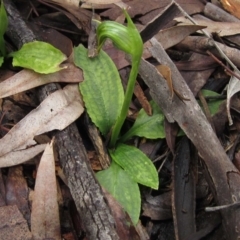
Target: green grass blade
x,y
101,89
126,191
139,167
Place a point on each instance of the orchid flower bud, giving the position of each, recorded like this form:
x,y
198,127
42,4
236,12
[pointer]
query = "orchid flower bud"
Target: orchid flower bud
x,y
125,38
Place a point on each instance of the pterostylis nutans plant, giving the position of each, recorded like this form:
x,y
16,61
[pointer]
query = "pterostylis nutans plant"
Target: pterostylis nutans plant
x,y
127,39
107,105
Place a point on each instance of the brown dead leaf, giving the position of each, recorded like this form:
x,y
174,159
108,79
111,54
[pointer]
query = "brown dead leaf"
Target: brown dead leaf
x,y
171,36
13,225
232,6
79,16
17,191
27,79
102,1
158,207
221,28
171,131
142,99
196,71
57,111
166,73
74,3
45,221
16,157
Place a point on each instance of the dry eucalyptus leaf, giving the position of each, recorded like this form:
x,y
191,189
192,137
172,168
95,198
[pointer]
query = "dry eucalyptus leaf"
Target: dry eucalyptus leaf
x,y
101,1
221,28
57,111
13,225
20,156
28,79
233,87
45,223
232,6
17,191
74,3
171,36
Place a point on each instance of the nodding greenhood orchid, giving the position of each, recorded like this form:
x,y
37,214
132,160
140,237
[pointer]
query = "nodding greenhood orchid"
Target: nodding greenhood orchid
x,y
127,39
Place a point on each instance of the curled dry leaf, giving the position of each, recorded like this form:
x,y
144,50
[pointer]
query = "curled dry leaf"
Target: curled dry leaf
x,y
28,79
233,87
45,223
57,111
166,73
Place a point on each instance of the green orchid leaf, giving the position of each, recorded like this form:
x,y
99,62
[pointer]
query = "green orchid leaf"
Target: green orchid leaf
x,y
3,28
213,104
101,89
1,61
126,191
138,166
151,127
39,56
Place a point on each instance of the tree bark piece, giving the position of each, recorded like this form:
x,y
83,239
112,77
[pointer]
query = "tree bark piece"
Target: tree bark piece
x,y
188,114
86,191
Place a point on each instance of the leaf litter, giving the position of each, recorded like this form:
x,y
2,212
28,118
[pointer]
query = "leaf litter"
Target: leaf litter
x,y
65,106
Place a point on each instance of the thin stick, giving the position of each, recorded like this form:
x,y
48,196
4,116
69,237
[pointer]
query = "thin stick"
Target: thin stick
x,y
217,208
223,65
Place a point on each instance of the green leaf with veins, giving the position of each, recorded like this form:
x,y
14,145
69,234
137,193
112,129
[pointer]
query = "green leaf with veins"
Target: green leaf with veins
x,y
139,167
101,89
151,127
39,56
125,190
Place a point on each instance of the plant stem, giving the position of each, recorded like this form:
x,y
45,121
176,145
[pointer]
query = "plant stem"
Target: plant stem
x,y
127,100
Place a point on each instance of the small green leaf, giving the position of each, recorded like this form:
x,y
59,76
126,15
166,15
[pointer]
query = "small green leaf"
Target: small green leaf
x,y
3,28
41,57
139,167
101,89
126,191
151,127
213,104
